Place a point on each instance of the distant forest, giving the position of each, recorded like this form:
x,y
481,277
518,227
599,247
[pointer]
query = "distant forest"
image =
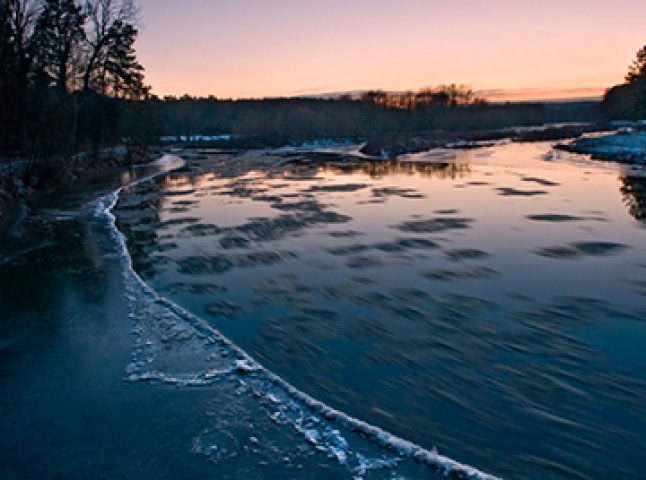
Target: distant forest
x,y
70,81
283,120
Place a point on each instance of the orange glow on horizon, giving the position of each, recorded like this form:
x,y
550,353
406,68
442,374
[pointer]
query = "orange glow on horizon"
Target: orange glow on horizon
x,y
505,50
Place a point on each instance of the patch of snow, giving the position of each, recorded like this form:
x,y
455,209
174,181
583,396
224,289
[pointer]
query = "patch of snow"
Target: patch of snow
x,y
223,137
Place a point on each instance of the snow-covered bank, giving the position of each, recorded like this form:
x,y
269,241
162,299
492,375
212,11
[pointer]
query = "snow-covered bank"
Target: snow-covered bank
x,y
623,147
394,144
23,179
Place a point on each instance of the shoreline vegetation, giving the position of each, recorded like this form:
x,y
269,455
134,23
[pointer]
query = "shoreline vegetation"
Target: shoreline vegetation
x,y
75,109
22,178
72,93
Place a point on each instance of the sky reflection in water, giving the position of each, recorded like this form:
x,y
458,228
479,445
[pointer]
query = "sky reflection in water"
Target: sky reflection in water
x,y
488,302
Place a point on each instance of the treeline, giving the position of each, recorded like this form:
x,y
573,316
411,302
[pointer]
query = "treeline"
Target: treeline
x,y
282,119
628,100
70,81
294,119
442,95
69,76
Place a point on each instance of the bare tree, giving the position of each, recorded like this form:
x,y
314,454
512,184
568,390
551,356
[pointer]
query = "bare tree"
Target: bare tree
x,y
111,31
18,19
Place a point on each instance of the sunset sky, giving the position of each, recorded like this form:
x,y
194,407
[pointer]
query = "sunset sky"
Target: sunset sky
x,y
504,49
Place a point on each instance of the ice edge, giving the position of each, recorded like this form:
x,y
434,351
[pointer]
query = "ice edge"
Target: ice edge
x,y
446,466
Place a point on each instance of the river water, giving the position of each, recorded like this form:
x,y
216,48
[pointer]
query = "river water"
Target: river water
x,y
489,303
308,313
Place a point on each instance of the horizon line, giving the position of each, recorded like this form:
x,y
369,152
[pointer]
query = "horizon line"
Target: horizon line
x,y
493,95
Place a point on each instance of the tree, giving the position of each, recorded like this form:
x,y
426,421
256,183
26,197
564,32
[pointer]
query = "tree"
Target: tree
x,y
56,43
111,66
6,47
16,27
123,73
628,101
425,97
454,95
65,68
377,97
637,70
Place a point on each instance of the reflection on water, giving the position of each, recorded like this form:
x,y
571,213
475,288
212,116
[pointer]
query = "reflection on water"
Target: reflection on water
x,y
492,305
634,191
441,170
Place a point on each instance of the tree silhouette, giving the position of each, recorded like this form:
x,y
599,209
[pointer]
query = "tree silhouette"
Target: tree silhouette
x,y
637,70
628,101
66,67
56,42
111,66
16,27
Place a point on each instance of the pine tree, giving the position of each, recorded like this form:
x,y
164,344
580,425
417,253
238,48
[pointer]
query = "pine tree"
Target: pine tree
x,y
124,74
637,70
56,43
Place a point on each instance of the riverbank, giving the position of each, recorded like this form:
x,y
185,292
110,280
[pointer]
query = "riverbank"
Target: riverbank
x,y
22,180
395,144
623,147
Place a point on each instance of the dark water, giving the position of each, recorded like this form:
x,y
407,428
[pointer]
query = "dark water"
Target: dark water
x,y
97,373
490,303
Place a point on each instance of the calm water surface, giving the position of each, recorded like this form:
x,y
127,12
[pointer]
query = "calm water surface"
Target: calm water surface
x,y
489,302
